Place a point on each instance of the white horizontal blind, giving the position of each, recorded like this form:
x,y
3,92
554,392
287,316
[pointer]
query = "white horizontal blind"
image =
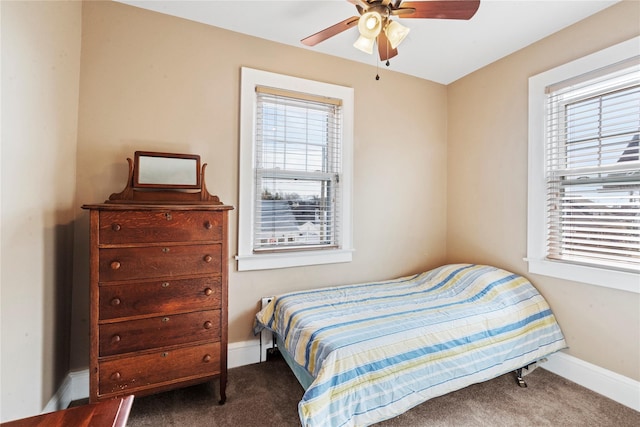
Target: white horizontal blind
x,y
297,171
593,168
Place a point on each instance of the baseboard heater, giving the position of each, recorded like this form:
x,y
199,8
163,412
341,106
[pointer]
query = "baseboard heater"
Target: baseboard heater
x,y
267,339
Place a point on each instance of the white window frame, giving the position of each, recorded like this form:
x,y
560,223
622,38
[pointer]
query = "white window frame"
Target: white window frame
x,y
247,259
537,229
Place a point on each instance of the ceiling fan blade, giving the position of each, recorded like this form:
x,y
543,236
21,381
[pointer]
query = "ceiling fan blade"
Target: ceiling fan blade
x,y
384,47
331,31
438,9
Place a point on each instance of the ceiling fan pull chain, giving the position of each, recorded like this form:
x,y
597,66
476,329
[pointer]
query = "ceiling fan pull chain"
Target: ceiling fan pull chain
x,y
387,63
377,67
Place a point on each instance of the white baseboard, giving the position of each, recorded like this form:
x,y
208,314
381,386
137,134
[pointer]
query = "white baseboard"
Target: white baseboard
x,y
74,387
243,353
616,387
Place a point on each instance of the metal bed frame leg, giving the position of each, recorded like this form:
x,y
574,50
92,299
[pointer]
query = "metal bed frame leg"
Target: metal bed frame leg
x,y
521,382
519,377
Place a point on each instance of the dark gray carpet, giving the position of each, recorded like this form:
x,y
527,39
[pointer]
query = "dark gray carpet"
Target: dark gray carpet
x,y
267,394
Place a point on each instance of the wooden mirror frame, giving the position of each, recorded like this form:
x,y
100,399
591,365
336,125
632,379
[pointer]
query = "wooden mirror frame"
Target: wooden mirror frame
x,y
168,171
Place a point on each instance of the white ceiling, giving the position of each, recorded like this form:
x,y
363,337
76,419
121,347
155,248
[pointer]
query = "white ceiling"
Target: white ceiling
x,y
436,49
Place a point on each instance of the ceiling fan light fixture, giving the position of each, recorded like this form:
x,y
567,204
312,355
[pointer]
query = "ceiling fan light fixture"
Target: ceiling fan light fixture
x,y
375,17
396,33
364,44
370,25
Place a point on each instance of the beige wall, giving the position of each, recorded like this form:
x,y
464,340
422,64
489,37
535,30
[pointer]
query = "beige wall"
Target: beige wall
x,y
40,72
487,179
158,83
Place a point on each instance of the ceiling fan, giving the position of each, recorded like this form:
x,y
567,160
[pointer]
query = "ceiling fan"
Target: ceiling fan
x,y
375,24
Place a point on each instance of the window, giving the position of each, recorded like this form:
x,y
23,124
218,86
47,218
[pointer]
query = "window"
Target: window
x,y
584,170
295,172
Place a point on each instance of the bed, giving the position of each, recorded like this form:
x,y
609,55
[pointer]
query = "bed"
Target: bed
x,y
368,352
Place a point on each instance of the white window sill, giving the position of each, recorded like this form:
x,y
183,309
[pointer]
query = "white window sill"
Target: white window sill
x,y
292,259
621,280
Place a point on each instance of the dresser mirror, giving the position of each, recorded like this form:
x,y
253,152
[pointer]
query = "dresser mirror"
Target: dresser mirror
x,y
157,178
166,170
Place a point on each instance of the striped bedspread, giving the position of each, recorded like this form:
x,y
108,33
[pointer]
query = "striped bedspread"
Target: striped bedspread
x,y
378,349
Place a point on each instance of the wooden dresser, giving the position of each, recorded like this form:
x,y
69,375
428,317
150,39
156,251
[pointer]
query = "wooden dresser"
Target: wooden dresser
x,y
158,274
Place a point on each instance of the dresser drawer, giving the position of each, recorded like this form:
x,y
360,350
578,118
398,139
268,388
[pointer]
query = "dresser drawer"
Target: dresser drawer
x,y
154,332
118,227
130,373
159,261
159,296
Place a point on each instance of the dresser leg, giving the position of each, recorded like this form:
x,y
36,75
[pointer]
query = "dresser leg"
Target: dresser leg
x,y
223,390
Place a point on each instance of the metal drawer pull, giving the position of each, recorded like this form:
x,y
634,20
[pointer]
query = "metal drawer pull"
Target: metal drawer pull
x,y
206,358
165,354
208,324
208,291
208,225
165,250
115,265
115,227
115,302
165,319
208,258
165,284
168,216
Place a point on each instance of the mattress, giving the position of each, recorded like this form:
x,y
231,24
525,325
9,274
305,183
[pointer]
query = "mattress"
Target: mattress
x,y
374,350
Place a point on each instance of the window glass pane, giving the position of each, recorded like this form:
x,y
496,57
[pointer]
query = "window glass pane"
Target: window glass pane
x,y
295,212
603,130
295,139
